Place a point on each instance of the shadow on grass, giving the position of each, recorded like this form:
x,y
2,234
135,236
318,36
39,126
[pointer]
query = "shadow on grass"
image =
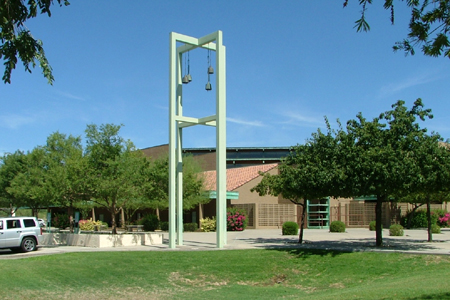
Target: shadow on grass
x,y
307,253
431,297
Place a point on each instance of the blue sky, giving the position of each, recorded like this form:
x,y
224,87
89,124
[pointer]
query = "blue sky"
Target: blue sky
x,y
289,64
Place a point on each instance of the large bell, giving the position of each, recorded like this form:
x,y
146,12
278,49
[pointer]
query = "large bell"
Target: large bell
x,y
210,70
189,77
185,79
208,86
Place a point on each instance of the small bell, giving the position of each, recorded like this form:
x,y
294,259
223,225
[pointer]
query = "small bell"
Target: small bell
x,y
208,86
185,79
210,70
189,77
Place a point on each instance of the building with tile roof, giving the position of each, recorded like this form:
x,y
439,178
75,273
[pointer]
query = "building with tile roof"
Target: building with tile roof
x,y
263,212
243,167
236,177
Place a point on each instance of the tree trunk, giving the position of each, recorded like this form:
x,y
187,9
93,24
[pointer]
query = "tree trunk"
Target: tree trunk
x,y
379,225
430,234
113,219
302,223
122,217
12,211
70,213
113,222
157,213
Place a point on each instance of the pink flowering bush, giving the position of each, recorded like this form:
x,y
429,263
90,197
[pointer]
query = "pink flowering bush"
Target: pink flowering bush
x,y
236,219
444,221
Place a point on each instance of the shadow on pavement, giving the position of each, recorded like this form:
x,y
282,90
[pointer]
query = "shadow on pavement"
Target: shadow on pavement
x,y
364,244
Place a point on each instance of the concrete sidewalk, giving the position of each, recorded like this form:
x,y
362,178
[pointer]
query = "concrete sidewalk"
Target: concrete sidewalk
x,y
354,239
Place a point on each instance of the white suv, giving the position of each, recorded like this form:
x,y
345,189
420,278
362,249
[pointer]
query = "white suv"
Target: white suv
x,y
20,233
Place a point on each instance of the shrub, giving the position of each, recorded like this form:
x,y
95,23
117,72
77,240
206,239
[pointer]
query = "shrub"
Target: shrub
x,y
419,219
290,228
208,224
444,220
61,221
439,212
337,226
435,228
164,226
396,230
89,224
373,225
190,226
86,225
150,222
236,219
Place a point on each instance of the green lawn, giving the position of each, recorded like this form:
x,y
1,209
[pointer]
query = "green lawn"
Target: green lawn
x,y
239,274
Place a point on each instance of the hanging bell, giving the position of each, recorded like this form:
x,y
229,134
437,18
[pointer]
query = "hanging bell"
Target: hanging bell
x,y
208,86
185,79
210,70
189,77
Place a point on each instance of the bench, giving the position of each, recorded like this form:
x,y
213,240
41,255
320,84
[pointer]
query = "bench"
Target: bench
x,y
131,228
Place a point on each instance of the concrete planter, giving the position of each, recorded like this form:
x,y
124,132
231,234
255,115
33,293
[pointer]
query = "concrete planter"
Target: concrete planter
x,y
102,240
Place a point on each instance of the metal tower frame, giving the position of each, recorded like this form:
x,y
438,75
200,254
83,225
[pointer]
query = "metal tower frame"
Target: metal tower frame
x,y
177,122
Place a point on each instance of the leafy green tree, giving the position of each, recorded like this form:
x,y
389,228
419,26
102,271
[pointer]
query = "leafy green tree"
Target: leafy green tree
x,y
193,183
66,173
429,25
10,165
430,174
380,163
366,158
156,187
31,185
17,42
114,166
68,168
84,207
311,171
144,180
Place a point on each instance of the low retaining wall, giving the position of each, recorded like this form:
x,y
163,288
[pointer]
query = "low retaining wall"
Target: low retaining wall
x,y
101,240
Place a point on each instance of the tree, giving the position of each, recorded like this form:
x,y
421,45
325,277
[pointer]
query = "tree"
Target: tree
x,y
430,174
366,158
114,166
156,187
67,169
31,186
429,26
382,149
17,42
309,172
145,181
11,165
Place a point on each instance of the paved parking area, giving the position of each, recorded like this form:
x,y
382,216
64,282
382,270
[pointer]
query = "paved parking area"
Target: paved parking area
x,y
354,239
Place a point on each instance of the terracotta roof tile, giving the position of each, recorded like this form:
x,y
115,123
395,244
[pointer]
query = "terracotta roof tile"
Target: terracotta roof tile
x,y
236,177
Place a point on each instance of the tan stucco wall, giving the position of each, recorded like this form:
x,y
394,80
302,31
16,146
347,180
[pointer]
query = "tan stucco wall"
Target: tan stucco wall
x,y
245,196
